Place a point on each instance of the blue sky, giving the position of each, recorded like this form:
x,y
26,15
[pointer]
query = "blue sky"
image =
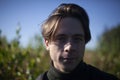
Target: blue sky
x,y
31,13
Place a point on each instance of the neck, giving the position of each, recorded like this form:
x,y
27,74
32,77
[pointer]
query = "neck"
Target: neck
x,y
54,74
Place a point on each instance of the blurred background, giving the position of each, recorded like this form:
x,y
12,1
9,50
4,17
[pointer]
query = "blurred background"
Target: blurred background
x,y
22,52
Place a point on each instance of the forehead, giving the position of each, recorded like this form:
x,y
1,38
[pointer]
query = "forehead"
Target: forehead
x,y
70,26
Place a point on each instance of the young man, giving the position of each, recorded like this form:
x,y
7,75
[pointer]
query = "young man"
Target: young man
x,y
66,32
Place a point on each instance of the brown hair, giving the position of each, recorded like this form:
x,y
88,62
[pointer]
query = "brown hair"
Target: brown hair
x,y
65,10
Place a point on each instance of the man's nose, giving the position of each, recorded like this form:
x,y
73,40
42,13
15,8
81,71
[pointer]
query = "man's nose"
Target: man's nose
x,y
69,47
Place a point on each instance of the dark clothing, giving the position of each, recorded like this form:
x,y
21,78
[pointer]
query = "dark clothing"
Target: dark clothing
x,y
82,72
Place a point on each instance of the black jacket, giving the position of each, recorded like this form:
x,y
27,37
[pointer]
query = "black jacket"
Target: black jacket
x,y
82,72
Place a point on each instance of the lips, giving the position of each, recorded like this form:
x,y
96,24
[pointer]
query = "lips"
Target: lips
x,y
69,59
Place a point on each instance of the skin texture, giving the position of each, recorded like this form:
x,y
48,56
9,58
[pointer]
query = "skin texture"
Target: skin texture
x,y
67,48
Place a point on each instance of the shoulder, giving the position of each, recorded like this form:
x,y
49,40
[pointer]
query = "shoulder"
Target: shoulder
x,y
42,76
101,75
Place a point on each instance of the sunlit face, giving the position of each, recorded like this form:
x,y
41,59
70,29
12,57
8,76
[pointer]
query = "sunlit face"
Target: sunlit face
x,y
67,48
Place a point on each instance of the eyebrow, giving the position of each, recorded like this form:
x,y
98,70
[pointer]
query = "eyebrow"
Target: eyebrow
x,y
81,35
61,35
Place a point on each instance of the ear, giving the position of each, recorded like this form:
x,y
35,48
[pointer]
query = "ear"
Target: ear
x,y
46,44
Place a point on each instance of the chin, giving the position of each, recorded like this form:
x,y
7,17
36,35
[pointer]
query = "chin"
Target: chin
x,y
68,68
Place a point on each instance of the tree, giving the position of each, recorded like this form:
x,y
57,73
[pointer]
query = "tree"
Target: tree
x,y
109,47
18,63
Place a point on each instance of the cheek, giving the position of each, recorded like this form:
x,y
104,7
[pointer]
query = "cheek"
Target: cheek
x,y
55,52
82,47
81,50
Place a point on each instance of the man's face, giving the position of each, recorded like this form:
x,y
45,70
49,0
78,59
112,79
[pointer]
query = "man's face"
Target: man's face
x,y
67,48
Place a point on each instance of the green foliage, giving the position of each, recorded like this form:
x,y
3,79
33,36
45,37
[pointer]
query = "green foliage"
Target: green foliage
x,y
18,63
109,49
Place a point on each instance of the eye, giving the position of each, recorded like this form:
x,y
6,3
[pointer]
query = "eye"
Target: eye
x,y
78,39
60,39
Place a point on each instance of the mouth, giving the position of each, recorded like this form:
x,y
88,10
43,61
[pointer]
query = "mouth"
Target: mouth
x,y
68,59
